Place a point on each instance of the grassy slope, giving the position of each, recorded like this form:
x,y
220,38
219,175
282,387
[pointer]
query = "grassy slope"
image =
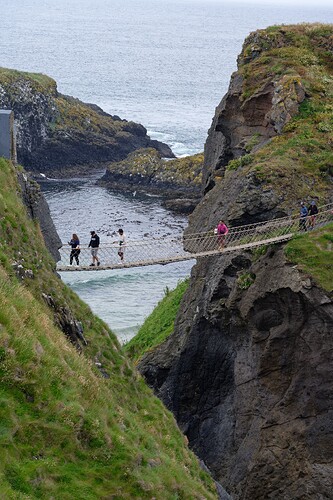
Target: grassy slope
x,y
66,432
69,113
298,164
313,252
159,324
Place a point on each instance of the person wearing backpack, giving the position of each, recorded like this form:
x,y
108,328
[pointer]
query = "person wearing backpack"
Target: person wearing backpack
x,y
312,212
303,217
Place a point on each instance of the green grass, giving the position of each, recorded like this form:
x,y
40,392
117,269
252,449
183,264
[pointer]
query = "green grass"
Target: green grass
x,y
65,431
41,82
159,325
313,252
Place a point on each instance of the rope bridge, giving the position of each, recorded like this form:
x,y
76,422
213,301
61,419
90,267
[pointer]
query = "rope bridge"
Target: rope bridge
x,y
191,246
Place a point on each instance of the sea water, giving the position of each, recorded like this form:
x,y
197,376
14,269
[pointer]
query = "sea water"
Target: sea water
x,y
163,63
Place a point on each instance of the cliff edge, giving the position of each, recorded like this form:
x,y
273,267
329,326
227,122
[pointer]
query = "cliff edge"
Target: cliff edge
x,y
247,369
59,135
270,143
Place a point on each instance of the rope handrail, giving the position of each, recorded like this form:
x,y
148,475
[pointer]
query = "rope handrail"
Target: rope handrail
x,y
267,221
190,246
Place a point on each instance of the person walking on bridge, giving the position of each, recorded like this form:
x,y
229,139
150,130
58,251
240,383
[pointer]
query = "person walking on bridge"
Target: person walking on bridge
x,y
75,252
312,212
122,244
222,231
94,245
303,214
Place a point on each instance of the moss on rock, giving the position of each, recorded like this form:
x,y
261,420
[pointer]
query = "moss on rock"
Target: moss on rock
x,y
145,170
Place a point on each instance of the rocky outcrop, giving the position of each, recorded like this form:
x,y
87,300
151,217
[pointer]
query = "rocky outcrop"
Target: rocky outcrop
x,y
247,375
240,126
268,147
60,135
177,180
38,209
246,118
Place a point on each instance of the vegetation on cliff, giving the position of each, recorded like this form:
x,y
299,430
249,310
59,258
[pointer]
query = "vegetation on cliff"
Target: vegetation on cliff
x,y
270,143
145,170
313,252
75,423
298,163
159,324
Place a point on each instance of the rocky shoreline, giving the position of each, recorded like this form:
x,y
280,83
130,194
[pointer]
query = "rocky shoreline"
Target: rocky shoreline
x,y
56,132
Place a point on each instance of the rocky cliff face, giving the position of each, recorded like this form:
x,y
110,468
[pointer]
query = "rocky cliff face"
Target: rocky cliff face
x,y
270,143
247,375
38,209
242,124
247,371
60,135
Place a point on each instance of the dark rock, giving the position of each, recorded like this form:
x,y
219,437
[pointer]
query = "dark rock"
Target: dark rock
x,y
20,270
66,321
182,205
244,124
38,209
145,171
247,374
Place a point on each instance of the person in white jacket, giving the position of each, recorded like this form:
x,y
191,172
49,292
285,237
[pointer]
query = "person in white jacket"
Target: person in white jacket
x,y
122,244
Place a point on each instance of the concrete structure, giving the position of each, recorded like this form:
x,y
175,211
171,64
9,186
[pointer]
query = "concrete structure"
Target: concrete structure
x,y
7,135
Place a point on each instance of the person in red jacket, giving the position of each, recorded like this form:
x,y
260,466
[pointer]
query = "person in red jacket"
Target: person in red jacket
x,y
222,231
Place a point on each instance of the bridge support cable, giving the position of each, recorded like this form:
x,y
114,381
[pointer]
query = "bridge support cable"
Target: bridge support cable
x,y
192,246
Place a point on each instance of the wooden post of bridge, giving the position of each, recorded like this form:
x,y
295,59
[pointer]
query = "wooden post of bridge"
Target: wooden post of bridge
x,y
7,135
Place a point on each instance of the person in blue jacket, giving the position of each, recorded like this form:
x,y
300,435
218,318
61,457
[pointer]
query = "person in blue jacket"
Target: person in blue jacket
x,y
303,217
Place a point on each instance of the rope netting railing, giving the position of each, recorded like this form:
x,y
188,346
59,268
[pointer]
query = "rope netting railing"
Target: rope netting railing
x,y
174,249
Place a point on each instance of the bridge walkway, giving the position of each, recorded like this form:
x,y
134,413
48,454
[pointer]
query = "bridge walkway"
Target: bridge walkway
x,y
150,251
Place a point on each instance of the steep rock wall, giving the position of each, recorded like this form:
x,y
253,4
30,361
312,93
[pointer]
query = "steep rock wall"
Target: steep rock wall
x,y
247,373
245,123
270,143
38,209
